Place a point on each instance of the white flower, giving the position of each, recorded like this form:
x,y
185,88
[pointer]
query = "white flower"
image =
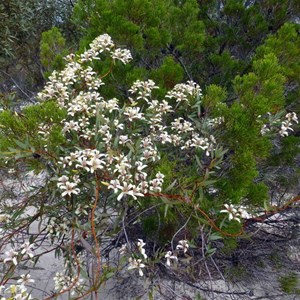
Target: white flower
x,y
183,245
155,185
143,88
216,121
123,139
123,55
4,217
182,125
143,187
70,188
265,129
27,249
62,180
95,164
165,137
285,126
182,91
25,279
136,192
11,256
83,163
72,125
114,185
140,245
169,256
102,43
136,264
126,189
140,166
243,213
160,176
133,113
164,107
232,212
123,249
292,116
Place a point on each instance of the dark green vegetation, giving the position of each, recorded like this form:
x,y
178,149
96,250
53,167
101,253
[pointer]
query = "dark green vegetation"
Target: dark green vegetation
x,y
290,283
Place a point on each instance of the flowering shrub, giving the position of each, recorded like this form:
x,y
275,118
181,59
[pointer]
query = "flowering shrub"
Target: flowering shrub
x,y
108,166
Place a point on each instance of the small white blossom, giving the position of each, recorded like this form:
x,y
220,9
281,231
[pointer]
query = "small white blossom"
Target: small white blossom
x,y
70,188
136,264
126,189
11,256
27,249
133,113
25,279
123,55
123,139
235,213
96,164
183,245
114,185
141,245
123,249
169,256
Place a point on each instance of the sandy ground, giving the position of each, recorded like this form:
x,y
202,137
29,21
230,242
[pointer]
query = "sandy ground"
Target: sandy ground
x,y
128,285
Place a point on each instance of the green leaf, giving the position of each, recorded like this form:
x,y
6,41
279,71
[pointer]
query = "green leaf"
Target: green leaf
x,y
208,182
21,145
150,295
215,236
198,162
210,251
170,187
166,210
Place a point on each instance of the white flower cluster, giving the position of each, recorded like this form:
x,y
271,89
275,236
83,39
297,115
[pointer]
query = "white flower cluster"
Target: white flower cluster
x,y
16,291
15,254
59,85
143,89
183,246
57,229
63,282
215,122
44,130
88,160
265,129
128,137
236,213
141,245
137,260
4,218
184,92
138,263
285,125
134,262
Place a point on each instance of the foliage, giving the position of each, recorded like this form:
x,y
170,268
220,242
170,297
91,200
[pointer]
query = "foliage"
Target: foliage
x,y
20,33
290,283
109,167
128,152
52,50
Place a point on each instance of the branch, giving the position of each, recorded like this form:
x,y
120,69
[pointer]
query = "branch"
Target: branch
x,y
16,84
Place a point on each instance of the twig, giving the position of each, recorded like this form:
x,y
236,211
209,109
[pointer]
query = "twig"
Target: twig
x,y
16,84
